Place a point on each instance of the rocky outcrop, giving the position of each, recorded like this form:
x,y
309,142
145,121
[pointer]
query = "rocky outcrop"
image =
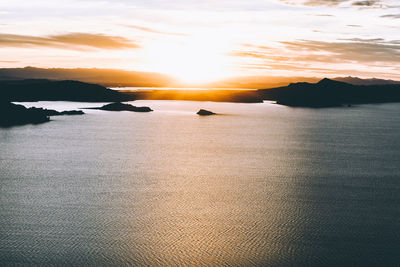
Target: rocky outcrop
x,y
203,112
12,114
118,106
51,112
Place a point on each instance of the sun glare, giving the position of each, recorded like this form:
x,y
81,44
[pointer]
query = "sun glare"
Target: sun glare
x,y
196,60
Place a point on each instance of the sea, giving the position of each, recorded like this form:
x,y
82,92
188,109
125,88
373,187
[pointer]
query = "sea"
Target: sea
x,y
255,185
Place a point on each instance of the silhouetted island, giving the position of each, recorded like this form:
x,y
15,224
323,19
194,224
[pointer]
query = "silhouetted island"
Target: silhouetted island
x,y
51,112
204,112
118,106
330,93
13,114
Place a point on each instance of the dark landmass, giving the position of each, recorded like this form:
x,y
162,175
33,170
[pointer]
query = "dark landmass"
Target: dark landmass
x,y
51,112
325,93
13,114
46,90
204,112
329,93
123,107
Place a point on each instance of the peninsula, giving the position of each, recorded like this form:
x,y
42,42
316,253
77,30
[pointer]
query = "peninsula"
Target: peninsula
x,y
12,114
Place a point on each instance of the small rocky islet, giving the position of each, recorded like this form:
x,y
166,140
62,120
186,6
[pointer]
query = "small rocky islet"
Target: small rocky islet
x,y
118,106
204,112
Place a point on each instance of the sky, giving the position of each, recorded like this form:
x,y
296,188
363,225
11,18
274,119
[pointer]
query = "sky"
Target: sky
x,y
205,40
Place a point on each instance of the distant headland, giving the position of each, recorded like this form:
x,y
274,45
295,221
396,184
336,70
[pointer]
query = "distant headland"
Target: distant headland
x,y
329,93
13,114
129,78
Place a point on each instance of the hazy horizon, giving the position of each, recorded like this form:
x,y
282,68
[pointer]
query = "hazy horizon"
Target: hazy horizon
x,y
122,78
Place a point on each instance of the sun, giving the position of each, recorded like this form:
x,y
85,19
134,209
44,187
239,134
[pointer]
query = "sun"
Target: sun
x,y
197,60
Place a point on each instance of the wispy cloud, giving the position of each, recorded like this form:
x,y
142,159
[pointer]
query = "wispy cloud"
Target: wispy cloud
x,y
151,30
393,16
314,2
367,3
363,3
356,49
311,56
322,15
67,41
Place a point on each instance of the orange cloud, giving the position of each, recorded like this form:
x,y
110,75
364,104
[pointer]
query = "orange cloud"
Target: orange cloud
x,y
68,41
360,50
309,56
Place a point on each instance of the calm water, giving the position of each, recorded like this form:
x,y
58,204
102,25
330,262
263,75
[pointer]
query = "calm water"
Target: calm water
x,y
261,184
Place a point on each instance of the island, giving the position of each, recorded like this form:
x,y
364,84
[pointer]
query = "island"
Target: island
x,y
330,93
51,112
118,106
203,112
12,114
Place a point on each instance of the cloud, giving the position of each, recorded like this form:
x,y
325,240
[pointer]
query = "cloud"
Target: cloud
x,y
314,70
322,15
314,2
276,56
332,3
146,29
67,41
375,55
366,3
324,2
371,40
393,16
356,49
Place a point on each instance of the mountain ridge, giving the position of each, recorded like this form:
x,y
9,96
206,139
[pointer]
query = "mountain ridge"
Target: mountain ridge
x,y
126,78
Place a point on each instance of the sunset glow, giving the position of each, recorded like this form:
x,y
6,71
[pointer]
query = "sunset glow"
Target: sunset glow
x,y
204,41
196,60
